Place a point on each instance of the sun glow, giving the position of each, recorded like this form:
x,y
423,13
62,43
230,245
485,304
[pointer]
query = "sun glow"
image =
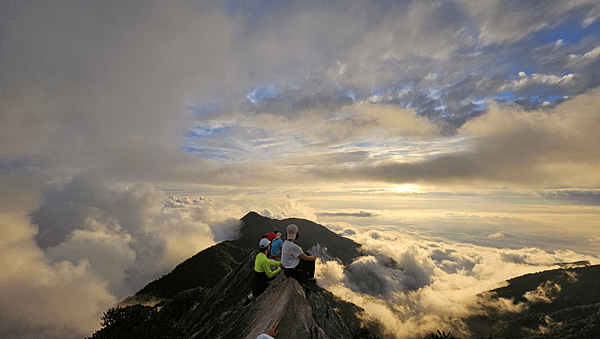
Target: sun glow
x,y
406,188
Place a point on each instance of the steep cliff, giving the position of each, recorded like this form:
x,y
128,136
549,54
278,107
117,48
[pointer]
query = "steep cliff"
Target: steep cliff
x,y
301,313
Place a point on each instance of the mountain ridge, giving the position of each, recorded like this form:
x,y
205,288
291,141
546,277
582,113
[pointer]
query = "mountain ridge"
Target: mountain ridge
x,y
201,270
560,303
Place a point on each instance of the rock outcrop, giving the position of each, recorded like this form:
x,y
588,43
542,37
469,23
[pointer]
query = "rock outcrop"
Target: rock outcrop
x,y
301,313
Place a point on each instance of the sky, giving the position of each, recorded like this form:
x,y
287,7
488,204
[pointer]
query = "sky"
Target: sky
x,y
458,137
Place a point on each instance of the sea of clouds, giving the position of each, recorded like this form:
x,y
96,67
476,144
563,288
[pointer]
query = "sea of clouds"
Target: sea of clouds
x,y
431,284
88,244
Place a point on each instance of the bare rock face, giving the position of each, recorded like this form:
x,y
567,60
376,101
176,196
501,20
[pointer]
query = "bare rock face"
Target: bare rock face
x,y
300,313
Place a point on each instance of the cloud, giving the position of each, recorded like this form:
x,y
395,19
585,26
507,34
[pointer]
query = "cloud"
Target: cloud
x,y
102,86
588,197
128,234
510,146
503,21
545,293
31,285
93,100
360,214
89,244
536,83
354,122
415,285
585,59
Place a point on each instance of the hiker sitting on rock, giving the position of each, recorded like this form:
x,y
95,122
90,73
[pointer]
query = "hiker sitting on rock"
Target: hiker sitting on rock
x,y
276,245
296,263
262,270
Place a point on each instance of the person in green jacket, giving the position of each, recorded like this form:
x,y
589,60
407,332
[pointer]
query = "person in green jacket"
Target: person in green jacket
x,y
262,269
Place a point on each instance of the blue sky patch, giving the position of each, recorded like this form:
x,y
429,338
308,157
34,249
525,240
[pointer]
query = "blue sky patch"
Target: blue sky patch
x,y
263,91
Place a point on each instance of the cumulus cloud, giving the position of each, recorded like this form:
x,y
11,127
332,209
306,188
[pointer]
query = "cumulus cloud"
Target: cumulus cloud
x,y
537,83
89,244
585,59
41,298
128,234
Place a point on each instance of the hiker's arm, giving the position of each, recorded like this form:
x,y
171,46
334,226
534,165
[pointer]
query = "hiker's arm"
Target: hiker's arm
x,y
270,273
303,256
267,269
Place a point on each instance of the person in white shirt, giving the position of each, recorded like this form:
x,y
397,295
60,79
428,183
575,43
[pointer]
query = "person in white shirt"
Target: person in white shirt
x,y
297,263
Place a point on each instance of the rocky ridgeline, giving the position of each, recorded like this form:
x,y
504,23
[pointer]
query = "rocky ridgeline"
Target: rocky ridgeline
x,y
301,313
203,297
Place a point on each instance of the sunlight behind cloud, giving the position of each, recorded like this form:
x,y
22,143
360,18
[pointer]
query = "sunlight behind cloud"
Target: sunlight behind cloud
x,y
406,188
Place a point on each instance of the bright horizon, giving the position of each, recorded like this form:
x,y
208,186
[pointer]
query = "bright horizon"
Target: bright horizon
x,y
464,132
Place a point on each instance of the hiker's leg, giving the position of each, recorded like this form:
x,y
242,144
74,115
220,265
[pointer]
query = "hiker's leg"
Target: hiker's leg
x,y
259,289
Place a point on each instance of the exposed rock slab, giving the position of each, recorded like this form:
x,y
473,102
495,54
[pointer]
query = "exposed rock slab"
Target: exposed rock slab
x,y
301,314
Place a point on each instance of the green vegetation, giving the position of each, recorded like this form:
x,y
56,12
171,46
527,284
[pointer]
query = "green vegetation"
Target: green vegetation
x,y
363,333
440,335
136,321
149,322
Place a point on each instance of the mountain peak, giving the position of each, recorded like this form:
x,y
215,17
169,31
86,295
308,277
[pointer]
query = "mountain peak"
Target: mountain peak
x,y
312,236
